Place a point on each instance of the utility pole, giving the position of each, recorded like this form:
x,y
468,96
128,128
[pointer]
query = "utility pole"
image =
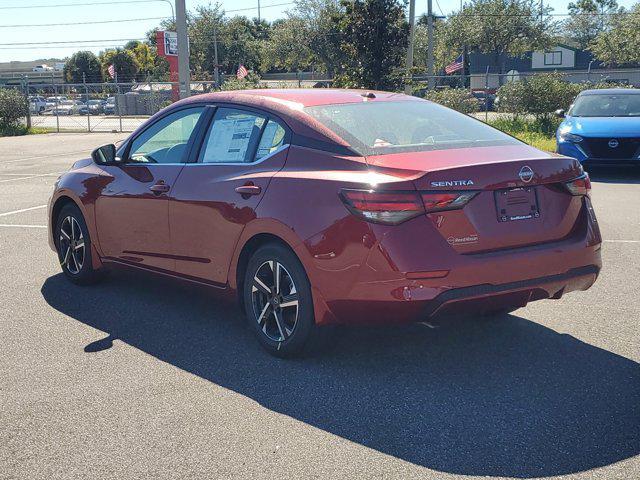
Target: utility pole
x,y
258,11
430,72
412,31
216,71
183,50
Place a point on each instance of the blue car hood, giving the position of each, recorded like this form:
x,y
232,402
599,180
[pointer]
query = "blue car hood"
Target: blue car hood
x,y
602,126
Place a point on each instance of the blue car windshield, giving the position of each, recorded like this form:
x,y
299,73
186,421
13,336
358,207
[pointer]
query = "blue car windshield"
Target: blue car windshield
x,y
606,106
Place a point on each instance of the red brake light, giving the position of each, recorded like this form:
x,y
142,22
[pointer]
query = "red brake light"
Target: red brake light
x,y
396,207
439,201
580,185
383,207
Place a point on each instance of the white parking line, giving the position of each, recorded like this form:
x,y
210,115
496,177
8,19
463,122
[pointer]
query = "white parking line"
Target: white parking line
x,y
25,174
28,177
621,241
67,154
21,210
21,226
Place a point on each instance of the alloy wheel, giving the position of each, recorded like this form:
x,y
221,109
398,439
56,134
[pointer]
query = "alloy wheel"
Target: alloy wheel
x,y
71,245
275,300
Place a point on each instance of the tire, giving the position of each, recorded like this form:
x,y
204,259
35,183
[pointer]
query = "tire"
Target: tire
x,y
283,328
74,248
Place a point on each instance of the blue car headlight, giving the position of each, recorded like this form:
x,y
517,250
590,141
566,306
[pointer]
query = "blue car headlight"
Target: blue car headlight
x,y
570,137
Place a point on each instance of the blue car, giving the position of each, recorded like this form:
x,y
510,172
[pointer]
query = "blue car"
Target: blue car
x,y
602,127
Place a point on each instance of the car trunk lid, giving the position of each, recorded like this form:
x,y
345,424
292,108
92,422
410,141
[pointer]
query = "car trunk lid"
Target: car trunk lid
x,y
520,201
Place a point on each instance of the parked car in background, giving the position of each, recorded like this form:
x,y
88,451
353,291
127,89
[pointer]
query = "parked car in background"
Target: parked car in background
x,y
37,104
42,68
324,206
67,107
92,107
58,66
109,108
602,127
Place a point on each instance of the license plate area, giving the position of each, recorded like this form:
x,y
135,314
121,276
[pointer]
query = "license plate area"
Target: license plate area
x,y
517,204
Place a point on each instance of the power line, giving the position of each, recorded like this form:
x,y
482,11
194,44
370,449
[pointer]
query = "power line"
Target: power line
x,y
92,4
82,23
76,42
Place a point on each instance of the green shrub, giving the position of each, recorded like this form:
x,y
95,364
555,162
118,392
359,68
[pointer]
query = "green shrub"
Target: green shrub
x,y
250,81
538,95
545,126
13,109
458,99
541,95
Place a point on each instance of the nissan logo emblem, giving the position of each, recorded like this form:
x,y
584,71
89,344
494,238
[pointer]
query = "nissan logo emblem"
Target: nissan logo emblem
x,y
526,174
613,143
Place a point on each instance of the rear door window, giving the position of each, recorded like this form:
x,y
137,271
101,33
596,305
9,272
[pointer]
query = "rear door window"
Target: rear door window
x,y
232,137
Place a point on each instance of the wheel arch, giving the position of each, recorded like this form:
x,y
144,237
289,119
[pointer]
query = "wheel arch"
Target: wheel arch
x,y
62,199
252,244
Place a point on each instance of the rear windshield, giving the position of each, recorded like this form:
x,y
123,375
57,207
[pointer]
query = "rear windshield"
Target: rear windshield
x,y
378,128
606,106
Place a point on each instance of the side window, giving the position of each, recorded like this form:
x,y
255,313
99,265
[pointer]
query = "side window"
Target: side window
x,y
166,140
272,139
232,137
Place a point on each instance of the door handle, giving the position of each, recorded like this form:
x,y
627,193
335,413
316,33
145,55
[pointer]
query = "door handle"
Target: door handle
x,y
249,190
160,187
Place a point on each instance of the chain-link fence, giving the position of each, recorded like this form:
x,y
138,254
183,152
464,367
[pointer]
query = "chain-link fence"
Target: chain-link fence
x,y
100,107
122,107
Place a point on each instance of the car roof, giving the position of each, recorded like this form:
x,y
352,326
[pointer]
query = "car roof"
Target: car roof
x,y
304,97
611,91
289,104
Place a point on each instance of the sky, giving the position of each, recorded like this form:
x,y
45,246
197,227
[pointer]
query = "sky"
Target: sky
x,y
127,20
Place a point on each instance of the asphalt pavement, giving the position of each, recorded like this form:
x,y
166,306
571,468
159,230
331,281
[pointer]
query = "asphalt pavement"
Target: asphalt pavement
x,y
140,377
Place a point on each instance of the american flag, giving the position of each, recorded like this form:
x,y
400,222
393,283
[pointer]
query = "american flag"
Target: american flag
x,y
112,71
242,72
457,64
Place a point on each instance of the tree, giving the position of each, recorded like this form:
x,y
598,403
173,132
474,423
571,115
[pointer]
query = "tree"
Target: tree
x,y
288,48
499,27
620,45
322,33
374,35
240,44
82,65
124,64
145,58
587,19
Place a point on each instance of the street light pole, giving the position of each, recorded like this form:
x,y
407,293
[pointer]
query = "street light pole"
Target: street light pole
x,y
183,50
412,31
430,70
216,70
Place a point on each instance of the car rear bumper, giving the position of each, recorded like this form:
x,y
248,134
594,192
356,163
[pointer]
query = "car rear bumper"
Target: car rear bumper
x,y
475,283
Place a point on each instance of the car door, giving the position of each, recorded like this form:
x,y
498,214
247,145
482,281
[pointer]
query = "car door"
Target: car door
x,y
216,196
132,213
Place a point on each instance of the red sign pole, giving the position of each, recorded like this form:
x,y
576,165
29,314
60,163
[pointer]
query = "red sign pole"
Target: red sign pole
x,y
172,58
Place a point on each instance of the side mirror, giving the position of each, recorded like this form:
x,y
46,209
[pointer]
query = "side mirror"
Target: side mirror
x,y
104,155
560,113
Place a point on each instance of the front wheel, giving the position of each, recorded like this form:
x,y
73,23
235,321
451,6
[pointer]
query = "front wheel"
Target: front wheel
x,y
278,302
74,246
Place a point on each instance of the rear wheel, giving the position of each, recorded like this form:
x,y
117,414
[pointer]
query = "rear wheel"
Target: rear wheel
x,y
74,246
278,302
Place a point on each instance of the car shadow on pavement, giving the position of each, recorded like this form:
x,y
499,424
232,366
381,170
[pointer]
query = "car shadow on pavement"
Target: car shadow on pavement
x,y
502,397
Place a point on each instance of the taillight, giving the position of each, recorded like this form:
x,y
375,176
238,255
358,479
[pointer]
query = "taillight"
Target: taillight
x,y
580,185
396,207
439,201
383,207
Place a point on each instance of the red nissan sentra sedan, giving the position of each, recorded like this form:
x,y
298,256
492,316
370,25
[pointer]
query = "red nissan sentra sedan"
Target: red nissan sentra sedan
x,y
319,207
